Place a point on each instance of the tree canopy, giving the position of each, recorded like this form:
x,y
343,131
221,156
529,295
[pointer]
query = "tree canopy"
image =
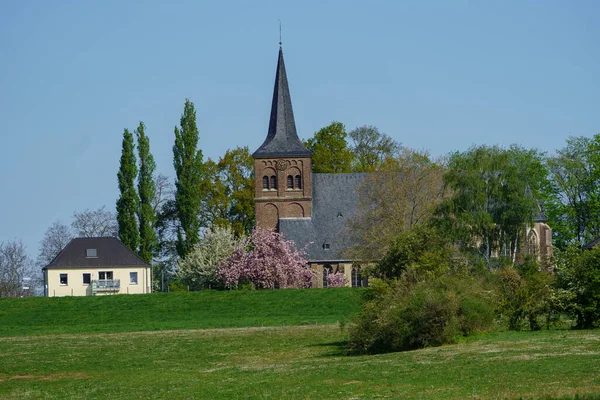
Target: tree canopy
x,y
330,151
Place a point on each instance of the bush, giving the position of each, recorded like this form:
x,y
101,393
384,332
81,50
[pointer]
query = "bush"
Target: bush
x,y
578,275
427,313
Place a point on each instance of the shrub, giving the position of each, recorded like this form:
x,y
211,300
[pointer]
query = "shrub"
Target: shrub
x,y
524,295
427,313
578,276
337,279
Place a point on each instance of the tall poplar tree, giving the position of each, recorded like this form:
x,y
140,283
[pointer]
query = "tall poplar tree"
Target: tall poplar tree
x,y
128,202
187,160
147,193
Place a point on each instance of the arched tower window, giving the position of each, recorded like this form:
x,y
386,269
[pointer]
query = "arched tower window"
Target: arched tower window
x,y
290,182
265,182
298,182
273,182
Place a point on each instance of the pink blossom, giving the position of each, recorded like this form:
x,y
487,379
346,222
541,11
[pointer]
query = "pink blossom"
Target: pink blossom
x,y
268,262
336,280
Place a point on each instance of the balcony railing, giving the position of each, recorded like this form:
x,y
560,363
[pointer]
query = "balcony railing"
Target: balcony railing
x,y
106,284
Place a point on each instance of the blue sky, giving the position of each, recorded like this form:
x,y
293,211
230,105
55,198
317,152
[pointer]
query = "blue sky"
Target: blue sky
x,y
433,75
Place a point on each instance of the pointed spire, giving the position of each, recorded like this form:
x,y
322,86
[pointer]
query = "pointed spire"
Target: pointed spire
x,y
282,139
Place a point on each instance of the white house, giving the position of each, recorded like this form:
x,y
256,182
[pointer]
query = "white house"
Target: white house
x,y
96,266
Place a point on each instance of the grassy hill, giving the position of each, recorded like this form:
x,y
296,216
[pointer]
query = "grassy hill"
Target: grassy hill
x,y
183,310
157,346
298,362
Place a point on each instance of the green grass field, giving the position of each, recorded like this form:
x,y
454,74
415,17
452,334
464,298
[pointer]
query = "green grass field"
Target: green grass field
x,y
183,310
295,362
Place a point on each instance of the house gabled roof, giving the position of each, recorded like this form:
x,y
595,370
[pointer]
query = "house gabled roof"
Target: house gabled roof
x,y
282,139
110,252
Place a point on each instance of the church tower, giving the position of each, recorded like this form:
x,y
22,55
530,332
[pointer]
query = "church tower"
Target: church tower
x,y
282,165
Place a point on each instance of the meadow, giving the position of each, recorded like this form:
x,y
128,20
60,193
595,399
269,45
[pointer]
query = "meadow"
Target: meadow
x,y
300,360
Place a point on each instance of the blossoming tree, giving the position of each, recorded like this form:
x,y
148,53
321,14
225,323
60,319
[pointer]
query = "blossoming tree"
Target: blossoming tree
x,y
268,262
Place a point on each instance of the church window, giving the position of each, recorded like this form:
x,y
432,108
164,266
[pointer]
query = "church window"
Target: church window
x,y
298,182
265,182
532,245
326,271
356,278
290,182
273,182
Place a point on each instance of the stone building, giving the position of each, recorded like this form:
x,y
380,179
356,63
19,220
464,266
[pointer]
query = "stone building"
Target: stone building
x,y
313,209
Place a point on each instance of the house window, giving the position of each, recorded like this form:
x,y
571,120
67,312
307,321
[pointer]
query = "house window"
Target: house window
x,y
87,278
64,280
105,275
273,182
133,278
290,182
265,182
91,253
298,182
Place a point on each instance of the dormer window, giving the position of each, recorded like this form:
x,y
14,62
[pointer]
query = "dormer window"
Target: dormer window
x,y
326,246
91,253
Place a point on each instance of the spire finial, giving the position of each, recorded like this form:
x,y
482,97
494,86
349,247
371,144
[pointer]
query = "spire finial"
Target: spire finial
x,y
279,31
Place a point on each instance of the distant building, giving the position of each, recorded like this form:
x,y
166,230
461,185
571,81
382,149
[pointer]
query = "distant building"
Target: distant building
x,y
96,266
313,209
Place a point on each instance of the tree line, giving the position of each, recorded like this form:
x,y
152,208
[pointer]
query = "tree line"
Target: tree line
x,y
482,197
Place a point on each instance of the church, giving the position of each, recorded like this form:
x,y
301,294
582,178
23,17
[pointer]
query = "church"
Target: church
x,y
313,209
310,209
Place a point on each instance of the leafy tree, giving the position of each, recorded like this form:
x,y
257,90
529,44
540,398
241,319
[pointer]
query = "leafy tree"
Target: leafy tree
x,y
268,262
14,263
187,160
578,273
95,223
199,269
229,189
128,202
420,249
329,148
56,238
495,194
572,200
147,194
372,148
403,194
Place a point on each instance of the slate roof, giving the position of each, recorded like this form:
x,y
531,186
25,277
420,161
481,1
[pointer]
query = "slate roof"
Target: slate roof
x,y
111,252
282,139
334,202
